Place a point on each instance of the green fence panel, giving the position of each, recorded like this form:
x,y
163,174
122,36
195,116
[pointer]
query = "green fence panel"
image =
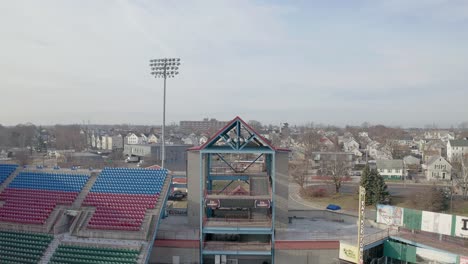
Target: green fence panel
x,y
412,219
400,251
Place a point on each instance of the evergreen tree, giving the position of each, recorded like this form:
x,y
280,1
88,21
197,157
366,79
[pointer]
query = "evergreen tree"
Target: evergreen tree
x,y
379,189
376,189
366,182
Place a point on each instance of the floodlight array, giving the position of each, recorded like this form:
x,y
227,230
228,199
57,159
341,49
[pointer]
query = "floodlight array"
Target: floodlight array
x,y
165,68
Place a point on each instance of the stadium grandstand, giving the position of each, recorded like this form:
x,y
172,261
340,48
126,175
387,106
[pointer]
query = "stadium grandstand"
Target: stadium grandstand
x,y
80,216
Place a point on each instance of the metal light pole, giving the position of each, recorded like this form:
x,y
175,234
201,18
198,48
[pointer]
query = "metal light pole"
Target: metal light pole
x,y
164,68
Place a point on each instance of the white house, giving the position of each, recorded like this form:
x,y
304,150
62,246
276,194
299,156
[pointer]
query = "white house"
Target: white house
x,y
202,140
93,141
391,169
350,144
98,142
104,142
152,139
456,149
442,135
132,139
356,152
437,168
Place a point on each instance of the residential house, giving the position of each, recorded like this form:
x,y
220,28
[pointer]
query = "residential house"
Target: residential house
x,y
152,139
457,149
104,142
445,136
438,168
350,144
357,153
93,141
412,163
131,139
391,169
326,144
411,160
117,142
202,140
435,147
378,152
321,159
142,139
98,142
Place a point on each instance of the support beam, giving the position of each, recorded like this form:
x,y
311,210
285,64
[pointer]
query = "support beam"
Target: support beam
x,y
224,188
229,164
252,163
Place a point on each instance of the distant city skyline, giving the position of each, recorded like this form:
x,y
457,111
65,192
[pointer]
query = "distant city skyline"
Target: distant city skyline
x,y
396,63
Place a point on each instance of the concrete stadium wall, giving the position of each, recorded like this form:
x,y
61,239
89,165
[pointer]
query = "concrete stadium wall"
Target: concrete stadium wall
x,y
282,189
241,259
193,186
166,255
310,256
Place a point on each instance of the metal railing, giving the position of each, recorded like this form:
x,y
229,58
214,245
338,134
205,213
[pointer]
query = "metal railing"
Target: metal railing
x,y
371,238
230,193
236,222
236,246
239,170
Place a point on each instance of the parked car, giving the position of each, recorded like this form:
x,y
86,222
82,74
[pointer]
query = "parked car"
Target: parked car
x,y
177,196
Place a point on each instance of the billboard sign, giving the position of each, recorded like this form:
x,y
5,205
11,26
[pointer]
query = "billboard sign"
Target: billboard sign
x,y
436,223
348,253
361,218
262,203
213,203
389,215
461,226
463,260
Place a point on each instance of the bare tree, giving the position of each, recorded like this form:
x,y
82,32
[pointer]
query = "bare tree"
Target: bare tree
x,y
460,175
256,125
23,157
299,170
337,169
69,137
310,141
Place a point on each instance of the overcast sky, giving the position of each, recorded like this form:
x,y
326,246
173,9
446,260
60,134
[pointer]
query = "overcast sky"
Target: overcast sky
x,y
335,62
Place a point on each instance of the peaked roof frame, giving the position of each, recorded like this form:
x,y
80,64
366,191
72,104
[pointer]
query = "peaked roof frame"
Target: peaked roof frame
x,y
236,136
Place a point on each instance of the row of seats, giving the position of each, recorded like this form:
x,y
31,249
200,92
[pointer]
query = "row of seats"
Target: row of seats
x,y
17,247
24,193
130,181
71,254
6,170
122,196
117,211
49,181
29,206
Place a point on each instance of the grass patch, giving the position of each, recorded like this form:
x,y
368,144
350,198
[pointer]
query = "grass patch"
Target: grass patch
x,y
347,202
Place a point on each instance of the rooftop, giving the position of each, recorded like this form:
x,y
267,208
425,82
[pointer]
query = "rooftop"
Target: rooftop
x,y
390,164
459,143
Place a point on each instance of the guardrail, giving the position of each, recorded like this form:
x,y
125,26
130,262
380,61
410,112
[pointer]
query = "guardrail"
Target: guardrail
x,y
236,246
236,222
230,193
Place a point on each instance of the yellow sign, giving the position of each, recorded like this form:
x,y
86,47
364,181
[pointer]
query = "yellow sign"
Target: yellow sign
x,y
361,222
348,252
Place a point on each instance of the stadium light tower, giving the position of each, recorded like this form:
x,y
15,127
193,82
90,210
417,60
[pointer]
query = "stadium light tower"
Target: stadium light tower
x,y
164,68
